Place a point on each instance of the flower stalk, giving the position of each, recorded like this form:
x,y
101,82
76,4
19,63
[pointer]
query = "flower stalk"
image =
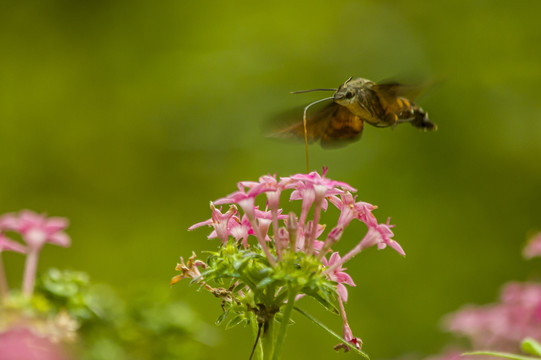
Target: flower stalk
x,y
284,323
30,269
4,287
268,339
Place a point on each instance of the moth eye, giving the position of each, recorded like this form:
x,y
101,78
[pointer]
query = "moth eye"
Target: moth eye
x,y
349,95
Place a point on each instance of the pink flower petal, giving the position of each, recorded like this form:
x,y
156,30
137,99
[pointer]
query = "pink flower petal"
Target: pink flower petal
x,y
36,229
199,224
344,278
55,224
342,291
9,222
60,238
7,244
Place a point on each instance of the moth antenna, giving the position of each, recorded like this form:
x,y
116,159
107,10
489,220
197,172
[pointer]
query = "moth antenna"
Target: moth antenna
x,y
311,90
306,131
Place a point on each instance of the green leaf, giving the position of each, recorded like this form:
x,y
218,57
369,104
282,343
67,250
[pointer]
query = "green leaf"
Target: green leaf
x,y
265,282
531,346
265,272
281,297
332,333
221,317
239,286
207,274
501,354
234,322
239,265
327,305
279,317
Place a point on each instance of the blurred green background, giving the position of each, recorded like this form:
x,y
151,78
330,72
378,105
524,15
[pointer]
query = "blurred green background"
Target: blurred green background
x,y
128,117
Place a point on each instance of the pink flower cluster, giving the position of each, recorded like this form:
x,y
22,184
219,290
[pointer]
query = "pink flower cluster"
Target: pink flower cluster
x,y
502,326
36,230
301,233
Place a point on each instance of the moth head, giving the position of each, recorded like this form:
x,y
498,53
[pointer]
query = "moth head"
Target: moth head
x,y
349,91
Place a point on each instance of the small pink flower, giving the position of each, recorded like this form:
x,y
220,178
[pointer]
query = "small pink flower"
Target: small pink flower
x,y
272,188
307,194
349,209
302,234
37,229
380,235
219,221
264,220
312,187
314,178
240,229
338,275
346,205
363,212
245,198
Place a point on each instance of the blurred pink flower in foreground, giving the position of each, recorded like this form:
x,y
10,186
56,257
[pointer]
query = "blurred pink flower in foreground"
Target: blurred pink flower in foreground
x,y
25,336
22,344
501,326
36,230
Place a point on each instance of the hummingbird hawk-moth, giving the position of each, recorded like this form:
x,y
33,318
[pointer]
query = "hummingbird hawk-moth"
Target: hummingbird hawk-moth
x,y
356,102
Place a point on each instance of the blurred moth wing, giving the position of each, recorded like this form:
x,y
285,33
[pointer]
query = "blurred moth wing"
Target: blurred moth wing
x,y
333,126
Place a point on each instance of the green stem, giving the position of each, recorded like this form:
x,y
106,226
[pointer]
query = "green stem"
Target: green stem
x,y
500,354
315,321
284,324
4,288
268,340
255,329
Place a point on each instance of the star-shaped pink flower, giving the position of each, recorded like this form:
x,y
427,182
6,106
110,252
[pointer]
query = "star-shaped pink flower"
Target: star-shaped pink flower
x,y
37,229
338,274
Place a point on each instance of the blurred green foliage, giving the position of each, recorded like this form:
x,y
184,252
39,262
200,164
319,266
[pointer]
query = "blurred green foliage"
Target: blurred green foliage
x,y
147,327
129,116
